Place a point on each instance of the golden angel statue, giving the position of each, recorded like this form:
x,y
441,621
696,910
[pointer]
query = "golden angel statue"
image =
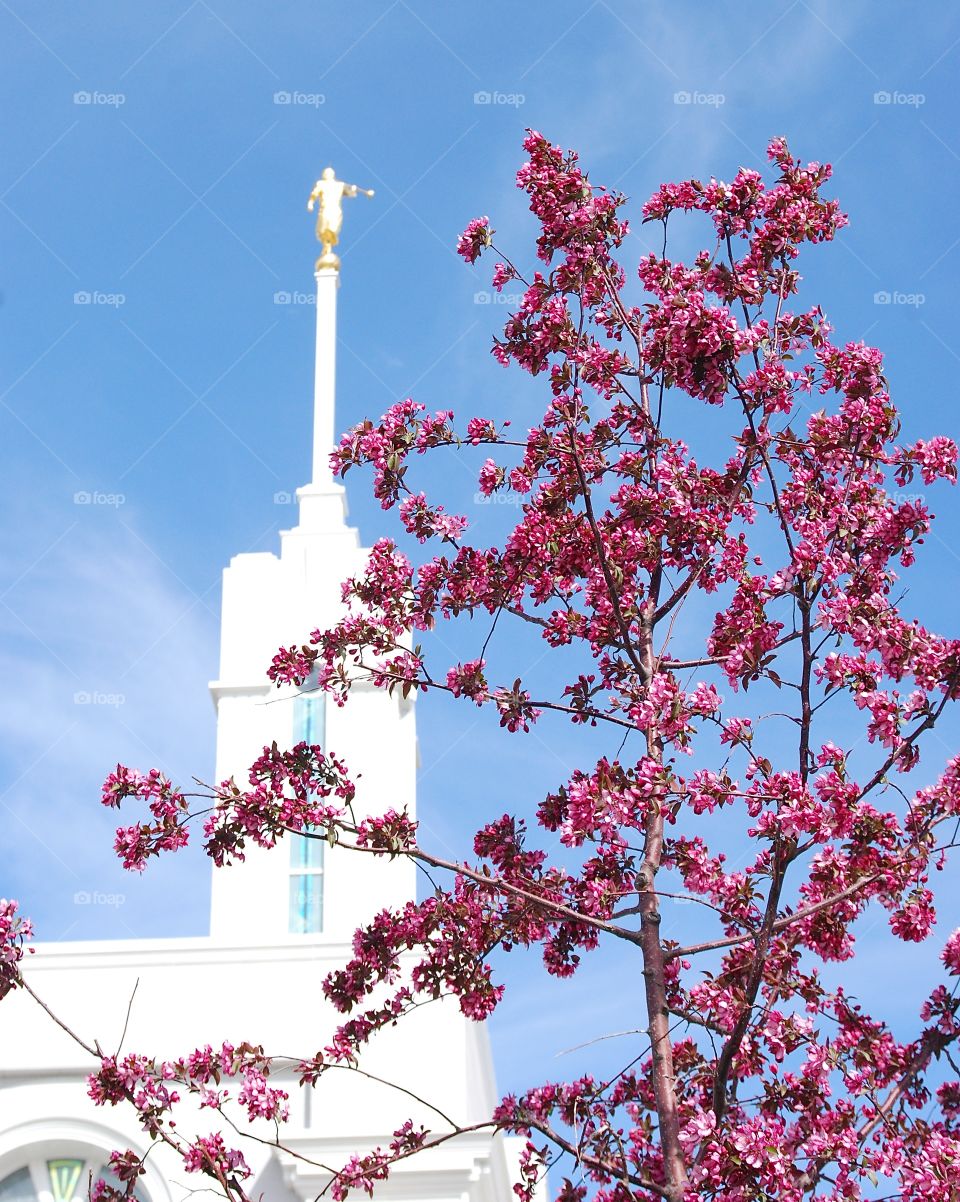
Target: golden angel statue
x,y
330,191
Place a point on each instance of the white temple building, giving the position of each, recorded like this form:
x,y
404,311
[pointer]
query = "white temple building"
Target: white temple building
x,y
279,923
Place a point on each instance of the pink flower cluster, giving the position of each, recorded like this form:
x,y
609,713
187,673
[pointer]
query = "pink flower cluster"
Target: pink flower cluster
x,y
15,930
617,527
149,1086
474,239
168,831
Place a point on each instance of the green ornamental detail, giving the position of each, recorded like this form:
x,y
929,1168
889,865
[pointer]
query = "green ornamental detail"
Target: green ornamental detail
x,y
64,1178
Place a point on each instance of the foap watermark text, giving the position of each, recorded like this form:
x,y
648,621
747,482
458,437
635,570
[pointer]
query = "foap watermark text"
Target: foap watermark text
x,y
110,500
97,897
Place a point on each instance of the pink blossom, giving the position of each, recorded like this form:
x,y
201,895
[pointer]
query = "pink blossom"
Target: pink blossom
x,y
474,238
15,930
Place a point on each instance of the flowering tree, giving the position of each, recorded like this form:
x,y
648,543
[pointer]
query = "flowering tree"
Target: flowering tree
x,y
759,1081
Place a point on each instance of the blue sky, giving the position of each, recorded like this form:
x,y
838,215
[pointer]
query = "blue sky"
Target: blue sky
x,y
157,163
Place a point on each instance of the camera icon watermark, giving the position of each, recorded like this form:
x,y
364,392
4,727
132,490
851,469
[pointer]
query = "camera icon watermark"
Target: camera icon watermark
x,y
283,498
112,300
96,897
506,99
300,99
706,99
110,500
94,697
904,99
912,300
112,100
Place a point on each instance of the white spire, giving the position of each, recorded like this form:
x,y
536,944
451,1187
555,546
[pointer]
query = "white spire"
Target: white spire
x,y
323,501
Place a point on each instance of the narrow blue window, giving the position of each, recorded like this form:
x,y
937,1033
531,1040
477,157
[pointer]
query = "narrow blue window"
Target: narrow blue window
x,y
310,717
306,855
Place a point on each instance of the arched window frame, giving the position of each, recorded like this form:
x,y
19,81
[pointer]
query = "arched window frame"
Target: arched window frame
x,y
61,1175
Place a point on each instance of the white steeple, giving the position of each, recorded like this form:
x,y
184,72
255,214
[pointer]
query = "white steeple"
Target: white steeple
x,y
323,501
271,601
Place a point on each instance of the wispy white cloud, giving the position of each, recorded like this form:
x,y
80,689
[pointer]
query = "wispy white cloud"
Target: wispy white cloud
x,y
105,656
